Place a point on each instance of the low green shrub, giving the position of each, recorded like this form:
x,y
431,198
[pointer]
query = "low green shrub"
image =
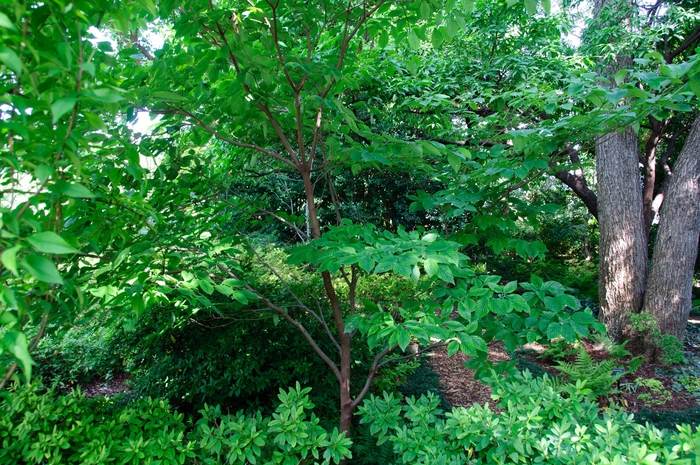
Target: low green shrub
x,y
44,427
669,419
543,421
238,365
77,355
291,435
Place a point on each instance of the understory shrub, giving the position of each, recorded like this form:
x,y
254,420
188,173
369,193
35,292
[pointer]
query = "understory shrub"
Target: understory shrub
x,y
543,421
238,364
43,427
77,355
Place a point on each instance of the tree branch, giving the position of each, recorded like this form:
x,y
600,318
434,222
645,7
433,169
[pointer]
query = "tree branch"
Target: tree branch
x,y
218,135
280,311
577,182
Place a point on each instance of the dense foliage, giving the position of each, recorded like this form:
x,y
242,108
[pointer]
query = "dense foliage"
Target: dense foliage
x,y
322,188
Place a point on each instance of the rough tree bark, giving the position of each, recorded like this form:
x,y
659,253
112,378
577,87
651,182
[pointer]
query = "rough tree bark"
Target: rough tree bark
x,y
623,244
669,290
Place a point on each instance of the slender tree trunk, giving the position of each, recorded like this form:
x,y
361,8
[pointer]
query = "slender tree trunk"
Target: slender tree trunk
x,y
669,291
623,245
346,407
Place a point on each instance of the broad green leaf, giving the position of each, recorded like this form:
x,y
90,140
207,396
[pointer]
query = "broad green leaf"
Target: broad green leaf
x,y
206,286
620,76
383,40
531,7
105,95
547,6
402,337
568,333
437,38
62,106
6,22
167,95
78,191
50,242
445,274
425,10
9,258
554,330
16,344
225,290
431,267
366,263
452,348
138,304
41,268
11,60
413,40
695,86
454,161
583,318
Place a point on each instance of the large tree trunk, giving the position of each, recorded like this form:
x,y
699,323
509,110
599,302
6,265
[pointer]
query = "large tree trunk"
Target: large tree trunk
x,y
669,291
623,245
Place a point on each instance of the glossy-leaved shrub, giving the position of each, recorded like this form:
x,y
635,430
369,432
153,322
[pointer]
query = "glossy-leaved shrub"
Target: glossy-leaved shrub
x,y
40,426
45,427
542,421
291,435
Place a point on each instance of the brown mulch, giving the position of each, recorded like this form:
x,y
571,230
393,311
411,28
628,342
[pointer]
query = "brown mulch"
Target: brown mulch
x,y
457,382
109,388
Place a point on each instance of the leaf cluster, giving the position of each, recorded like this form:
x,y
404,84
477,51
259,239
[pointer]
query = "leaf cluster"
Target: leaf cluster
x,y
542,422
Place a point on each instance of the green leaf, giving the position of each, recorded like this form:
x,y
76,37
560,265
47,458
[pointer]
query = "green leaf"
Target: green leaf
x,y
11,60
366,263
41,268
77,191
9,258
531,7
206,286
547,6
431,267
6,22
62,106
568,333
167,95
510,287
16,344
106,95
554,330
445,274
695,87
403,337
413,40
50,242
454,161
583,318
452,348
425,10
225,290
437,37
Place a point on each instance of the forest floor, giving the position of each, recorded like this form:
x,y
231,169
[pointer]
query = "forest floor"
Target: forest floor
x,y
461,389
